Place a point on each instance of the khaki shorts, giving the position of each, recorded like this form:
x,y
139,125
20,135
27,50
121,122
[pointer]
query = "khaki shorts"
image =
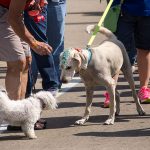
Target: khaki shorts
x,y
12,48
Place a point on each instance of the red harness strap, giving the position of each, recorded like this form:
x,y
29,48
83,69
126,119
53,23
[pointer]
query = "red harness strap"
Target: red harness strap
x,y
78,49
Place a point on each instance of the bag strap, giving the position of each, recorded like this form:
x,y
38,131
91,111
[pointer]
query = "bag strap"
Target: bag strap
x,y
99,24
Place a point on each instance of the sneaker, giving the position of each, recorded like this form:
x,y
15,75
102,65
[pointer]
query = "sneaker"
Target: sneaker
x,y
107,100
144,95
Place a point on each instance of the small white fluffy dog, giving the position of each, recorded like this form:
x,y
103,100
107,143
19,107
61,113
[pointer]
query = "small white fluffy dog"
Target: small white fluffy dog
x,y
26,112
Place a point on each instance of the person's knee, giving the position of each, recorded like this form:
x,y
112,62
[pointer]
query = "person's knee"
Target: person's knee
x,y
17,66
27,64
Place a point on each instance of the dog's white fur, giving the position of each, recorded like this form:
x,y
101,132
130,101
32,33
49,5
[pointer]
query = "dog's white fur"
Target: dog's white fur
x,y
107,60
26,112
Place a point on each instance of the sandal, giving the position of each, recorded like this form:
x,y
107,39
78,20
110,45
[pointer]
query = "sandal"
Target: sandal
x,y
39,126
42,121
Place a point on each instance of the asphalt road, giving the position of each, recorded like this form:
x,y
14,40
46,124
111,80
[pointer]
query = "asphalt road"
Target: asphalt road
x,y
130,131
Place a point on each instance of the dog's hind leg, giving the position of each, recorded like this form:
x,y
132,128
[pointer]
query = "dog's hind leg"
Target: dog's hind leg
x,y
117,103
129,77
127,71
89,97
111,86
117,95
28,129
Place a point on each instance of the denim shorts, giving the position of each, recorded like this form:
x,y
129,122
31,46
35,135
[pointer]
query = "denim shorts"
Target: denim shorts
x,y
12,48
138,26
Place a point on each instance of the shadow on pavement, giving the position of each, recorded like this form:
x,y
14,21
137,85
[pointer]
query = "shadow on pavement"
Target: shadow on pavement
x,y
68,121
86,13
12,137
126,133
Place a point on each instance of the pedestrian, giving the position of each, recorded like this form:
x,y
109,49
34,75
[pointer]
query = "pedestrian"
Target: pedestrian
x,y
15,40
42,64
135,21
129,42
55,32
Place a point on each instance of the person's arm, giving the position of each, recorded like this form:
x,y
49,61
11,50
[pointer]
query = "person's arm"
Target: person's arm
x,y
15,19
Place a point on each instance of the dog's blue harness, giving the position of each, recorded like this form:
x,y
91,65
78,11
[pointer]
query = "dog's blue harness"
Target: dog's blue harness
x,y
90,54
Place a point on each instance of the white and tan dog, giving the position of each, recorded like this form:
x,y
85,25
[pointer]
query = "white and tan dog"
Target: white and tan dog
x,y
26,112
100,66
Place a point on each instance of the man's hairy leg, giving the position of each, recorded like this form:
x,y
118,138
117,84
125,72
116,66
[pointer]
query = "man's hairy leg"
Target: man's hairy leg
x,y
143,60
13,81
24,78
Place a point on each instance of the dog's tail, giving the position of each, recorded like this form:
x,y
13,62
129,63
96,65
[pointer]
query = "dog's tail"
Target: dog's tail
x,y
103,30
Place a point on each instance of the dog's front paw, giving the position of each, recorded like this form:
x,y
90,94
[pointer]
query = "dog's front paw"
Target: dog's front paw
x,y
109,122
141,112
81,121
32,137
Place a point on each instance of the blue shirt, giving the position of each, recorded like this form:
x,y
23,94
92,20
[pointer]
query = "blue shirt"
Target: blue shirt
x,y
135,7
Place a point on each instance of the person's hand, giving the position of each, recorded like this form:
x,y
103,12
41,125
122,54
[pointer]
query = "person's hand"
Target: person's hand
x,y
41,48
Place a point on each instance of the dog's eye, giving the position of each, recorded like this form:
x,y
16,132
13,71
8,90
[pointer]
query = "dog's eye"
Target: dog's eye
x,y
68,67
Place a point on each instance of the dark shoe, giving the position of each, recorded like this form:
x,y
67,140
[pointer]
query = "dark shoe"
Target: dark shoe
x,y
13,128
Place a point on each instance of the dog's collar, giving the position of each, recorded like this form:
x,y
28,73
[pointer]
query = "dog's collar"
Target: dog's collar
x,y
89,53
78,49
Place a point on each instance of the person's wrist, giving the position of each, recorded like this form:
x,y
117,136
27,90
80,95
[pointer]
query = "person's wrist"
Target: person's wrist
x,y
34,44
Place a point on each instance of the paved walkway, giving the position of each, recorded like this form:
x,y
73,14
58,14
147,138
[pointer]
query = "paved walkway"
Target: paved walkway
x,y
130,131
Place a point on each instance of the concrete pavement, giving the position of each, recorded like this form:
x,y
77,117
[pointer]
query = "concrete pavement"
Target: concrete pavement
x,y
130,131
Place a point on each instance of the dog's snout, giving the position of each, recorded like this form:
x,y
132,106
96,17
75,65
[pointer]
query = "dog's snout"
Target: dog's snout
x,y
64,80
68,68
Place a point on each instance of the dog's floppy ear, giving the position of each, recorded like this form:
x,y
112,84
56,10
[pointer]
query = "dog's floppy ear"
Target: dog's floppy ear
x,y
77,58
82,60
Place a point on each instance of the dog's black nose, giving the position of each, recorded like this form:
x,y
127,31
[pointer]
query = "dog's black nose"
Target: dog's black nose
x,y
63,80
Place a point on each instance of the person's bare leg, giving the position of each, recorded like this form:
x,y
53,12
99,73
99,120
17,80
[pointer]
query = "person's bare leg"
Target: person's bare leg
x,y
143,61
24,77
14,78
